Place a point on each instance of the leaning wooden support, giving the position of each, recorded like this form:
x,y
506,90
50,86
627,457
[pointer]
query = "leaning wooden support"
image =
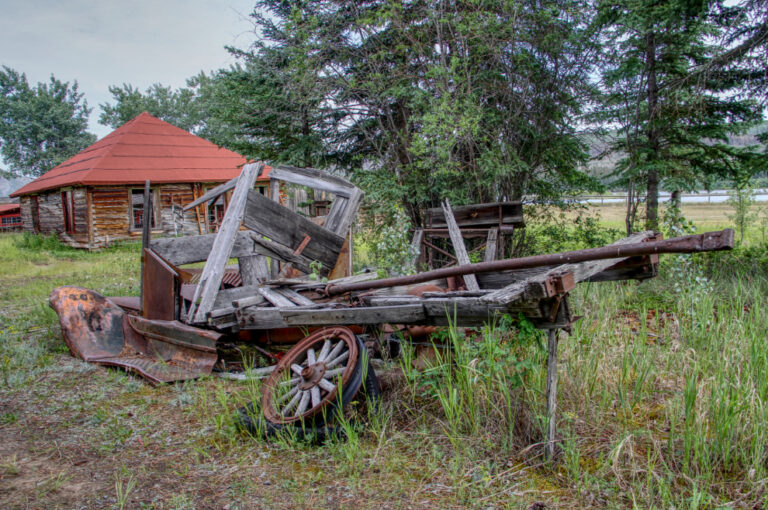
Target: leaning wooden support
x,y
213,272
551,393
458,245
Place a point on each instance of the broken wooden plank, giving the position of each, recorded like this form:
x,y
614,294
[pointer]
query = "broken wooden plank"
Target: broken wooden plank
x,y
227,297
295,296
491,247
359,315
334,217
313,178
275,298
191,249
210,195
458,245
213,272
347,217
279,252
285,227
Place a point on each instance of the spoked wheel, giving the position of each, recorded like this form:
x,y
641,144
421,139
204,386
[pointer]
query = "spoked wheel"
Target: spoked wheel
x,y
306,382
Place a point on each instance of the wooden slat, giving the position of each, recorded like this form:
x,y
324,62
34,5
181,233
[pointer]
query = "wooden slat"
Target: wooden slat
x,y
312,178
289,229
334,217
491,245
274,195
191,249
360,315
295,296
458,245
279,252
210,195
274,297
213,272
350,213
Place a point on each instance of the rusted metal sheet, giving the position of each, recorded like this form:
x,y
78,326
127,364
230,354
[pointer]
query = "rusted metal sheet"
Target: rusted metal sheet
x,y
710,241
160,288
97,330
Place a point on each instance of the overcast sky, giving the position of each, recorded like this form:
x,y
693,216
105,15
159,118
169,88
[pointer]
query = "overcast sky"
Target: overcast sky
x,y
110,42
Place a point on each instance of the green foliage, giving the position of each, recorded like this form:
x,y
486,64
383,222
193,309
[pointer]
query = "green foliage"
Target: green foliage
x,y
742,200
393,254
178,107
672,129
559,231
426,100
40,126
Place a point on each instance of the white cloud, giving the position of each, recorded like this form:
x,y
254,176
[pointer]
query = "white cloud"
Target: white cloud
x,y
103,43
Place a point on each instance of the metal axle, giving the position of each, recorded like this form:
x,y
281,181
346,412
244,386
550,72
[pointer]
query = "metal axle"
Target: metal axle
x,y
709,241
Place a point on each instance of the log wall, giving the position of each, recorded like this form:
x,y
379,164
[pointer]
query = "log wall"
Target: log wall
x,y
102,214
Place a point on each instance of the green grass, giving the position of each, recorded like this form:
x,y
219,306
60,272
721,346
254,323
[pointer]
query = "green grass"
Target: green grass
x,y
662,398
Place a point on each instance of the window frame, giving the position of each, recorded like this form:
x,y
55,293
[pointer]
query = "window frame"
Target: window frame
x,y
153,193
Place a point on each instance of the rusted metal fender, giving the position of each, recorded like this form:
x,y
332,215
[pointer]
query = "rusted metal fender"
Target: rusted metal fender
x,y
98,331
91,324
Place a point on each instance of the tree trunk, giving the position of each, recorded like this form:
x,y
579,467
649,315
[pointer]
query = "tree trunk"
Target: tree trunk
x,y
652,190
675,200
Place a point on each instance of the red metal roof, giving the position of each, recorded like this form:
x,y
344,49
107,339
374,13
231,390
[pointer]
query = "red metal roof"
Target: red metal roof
x,y
9,208
143,148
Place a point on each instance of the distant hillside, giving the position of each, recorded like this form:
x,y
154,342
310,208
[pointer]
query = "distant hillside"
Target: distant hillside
x,y
604,166
8,186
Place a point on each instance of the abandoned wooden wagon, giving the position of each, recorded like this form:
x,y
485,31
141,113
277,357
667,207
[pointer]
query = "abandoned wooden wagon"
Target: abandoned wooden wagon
x,y
96,197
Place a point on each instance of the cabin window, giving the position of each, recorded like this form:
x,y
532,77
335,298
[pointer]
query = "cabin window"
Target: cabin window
x,y
68,207
262,189
10,221
137,209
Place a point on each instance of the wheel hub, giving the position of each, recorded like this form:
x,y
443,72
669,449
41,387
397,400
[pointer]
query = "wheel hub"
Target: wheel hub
x,y
311,375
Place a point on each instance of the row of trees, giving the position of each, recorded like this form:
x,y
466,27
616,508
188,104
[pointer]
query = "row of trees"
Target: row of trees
x,y
484,100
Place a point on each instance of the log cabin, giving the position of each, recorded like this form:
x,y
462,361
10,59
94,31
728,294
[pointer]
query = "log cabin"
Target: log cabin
x,y
97,196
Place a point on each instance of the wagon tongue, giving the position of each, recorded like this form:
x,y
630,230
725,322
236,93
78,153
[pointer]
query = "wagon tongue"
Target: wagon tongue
x,y
98,331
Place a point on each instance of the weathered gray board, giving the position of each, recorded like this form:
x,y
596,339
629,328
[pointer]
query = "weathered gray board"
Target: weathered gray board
x,y
462,312
289,229
458,245
313,178
191,249
210,279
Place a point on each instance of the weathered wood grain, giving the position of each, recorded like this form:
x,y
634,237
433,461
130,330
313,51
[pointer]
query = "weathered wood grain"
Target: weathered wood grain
x,y
191,249
491,243
312,178
287,228
458,245
210,280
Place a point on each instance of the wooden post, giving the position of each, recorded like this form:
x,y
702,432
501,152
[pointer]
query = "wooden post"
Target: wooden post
x,y
146,225
490,245
274,194
551,393
458,245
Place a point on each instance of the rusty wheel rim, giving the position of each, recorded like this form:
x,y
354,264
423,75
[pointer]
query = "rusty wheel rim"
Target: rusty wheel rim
x,y
309,376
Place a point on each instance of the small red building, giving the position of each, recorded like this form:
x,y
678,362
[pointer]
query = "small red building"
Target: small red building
x,y
97,196
10,217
